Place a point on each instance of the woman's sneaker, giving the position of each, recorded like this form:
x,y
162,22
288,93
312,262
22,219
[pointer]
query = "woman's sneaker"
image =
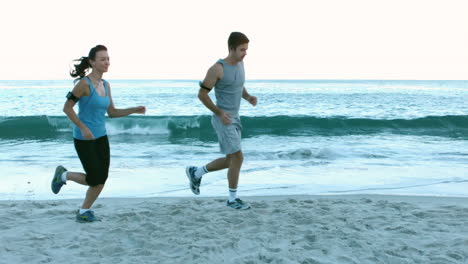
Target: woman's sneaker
x,y
86,217
57,182
238,204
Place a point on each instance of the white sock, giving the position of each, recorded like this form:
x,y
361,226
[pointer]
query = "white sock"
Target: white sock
x,y
64,176
82,211
200,172
232,195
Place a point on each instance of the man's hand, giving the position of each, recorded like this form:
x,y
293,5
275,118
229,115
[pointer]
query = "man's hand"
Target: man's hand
x,y
225,118
252,100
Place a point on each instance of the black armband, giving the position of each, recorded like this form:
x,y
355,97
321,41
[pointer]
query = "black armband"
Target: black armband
x,y
203,86
71,96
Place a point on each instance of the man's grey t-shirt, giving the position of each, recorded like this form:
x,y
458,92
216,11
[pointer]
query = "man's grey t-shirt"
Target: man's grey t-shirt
x,y
228,90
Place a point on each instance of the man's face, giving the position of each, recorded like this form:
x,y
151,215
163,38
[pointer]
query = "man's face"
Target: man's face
x,y
241,51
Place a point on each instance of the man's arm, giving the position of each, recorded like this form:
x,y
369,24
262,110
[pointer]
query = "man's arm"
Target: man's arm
x,y
245,94
251,99
212,76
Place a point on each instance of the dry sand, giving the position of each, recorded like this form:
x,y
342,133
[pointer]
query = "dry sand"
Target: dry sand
x,y
278,229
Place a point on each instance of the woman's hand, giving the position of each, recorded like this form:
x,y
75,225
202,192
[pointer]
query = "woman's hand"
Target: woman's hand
x,y
140,110
87,134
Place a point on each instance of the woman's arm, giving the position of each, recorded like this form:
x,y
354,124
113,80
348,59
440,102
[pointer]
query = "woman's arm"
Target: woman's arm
x,y
113,112
80,89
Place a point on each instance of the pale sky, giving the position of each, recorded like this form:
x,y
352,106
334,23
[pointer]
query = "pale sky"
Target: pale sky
x,y
293,39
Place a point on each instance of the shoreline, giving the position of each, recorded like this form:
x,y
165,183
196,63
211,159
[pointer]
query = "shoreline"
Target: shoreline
x,y
392,197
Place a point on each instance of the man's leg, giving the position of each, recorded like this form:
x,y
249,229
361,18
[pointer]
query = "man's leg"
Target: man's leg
x,y
235,164
195,174
218,164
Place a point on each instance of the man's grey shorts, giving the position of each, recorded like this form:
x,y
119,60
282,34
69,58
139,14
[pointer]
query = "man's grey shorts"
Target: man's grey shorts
x,y
229,136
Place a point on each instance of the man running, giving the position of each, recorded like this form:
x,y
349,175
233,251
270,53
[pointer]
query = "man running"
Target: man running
x,y
227,77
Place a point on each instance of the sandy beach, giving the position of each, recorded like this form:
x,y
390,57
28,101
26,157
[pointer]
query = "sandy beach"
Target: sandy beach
x,y
278,229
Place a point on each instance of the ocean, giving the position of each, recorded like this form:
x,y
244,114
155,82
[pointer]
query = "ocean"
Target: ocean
x,y
320,137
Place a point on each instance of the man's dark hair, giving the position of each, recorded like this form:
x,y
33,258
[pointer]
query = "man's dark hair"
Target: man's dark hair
x,y
236,39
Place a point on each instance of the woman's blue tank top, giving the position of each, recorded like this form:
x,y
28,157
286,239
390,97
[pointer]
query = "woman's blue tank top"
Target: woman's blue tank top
x,y
92,112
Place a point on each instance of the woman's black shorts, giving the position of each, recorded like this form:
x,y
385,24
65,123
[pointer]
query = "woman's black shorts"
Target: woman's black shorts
x,y
95,158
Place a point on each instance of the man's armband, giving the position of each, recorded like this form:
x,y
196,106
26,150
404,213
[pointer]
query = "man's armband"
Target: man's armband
x,y
203,86
71,96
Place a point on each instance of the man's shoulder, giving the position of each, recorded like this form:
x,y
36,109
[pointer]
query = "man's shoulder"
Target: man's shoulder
x,y
218,65
217,69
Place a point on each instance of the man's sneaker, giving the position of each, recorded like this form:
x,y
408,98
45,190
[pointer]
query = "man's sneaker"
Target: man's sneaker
x,y
57,182
85,217
238,204
194,182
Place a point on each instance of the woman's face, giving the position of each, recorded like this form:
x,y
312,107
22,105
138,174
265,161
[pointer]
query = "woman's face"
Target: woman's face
x,y
101,62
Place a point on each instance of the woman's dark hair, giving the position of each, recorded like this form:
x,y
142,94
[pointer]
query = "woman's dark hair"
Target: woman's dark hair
x,y
236,39
83,62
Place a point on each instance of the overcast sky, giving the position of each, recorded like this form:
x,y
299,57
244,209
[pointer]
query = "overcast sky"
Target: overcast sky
x,y
175,39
